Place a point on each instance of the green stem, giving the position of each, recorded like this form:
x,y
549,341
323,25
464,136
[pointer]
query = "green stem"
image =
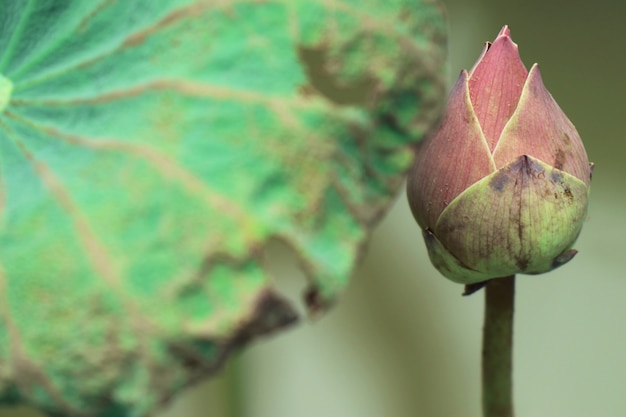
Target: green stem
x,y
497,363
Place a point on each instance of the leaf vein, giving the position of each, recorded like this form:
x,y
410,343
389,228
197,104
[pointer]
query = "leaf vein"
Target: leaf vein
x,y
162,163
97,254
131,40
15,36
188,88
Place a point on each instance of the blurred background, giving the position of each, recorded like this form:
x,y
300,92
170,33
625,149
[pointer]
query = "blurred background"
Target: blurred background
x,y
403,342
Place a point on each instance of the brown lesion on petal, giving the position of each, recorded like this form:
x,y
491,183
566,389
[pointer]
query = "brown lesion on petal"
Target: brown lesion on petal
x,y
559,159
567,192
499,181
522,262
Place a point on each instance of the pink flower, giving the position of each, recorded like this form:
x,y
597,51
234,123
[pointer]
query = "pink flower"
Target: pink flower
x,y
501,187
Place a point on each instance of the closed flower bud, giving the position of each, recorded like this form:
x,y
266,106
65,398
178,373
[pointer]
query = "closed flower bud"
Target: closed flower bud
x,y
501,187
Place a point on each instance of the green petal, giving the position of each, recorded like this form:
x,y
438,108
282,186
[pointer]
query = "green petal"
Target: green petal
x,y
521,219
447,264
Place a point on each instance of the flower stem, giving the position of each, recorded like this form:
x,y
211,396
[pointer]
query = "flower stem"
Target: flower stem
x,y
498,348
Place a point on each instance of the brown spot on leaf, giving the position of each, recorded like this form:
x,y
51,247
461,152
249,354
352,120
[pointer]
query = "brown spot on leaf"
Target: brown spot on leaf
x,y
405,14
306,90
318,66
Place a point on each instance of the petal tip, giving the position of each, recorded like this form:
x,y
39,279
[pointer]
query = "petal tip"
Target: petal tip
x,y
505,31
534,78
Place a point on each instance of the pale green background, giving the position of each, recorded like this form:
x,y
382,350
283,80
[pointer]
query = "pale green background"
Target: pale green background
x,y
403,342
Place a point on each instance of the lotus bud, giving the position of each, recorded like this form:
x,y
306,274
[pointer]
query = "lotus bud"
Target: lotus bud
x,y
501,187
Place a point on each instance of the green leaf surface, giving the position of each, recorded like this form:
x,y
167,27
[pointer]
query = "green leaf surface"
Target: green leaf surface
x,y
149,153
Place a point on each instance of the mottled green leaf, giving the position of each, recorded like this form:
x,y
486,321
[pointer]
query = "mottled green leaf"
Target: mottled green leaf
x,y
149,153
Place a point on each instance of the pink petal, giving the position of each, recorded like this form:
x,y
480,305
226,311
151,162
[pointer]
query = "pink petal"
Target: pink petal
x,y
495,85
539,128
452,158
